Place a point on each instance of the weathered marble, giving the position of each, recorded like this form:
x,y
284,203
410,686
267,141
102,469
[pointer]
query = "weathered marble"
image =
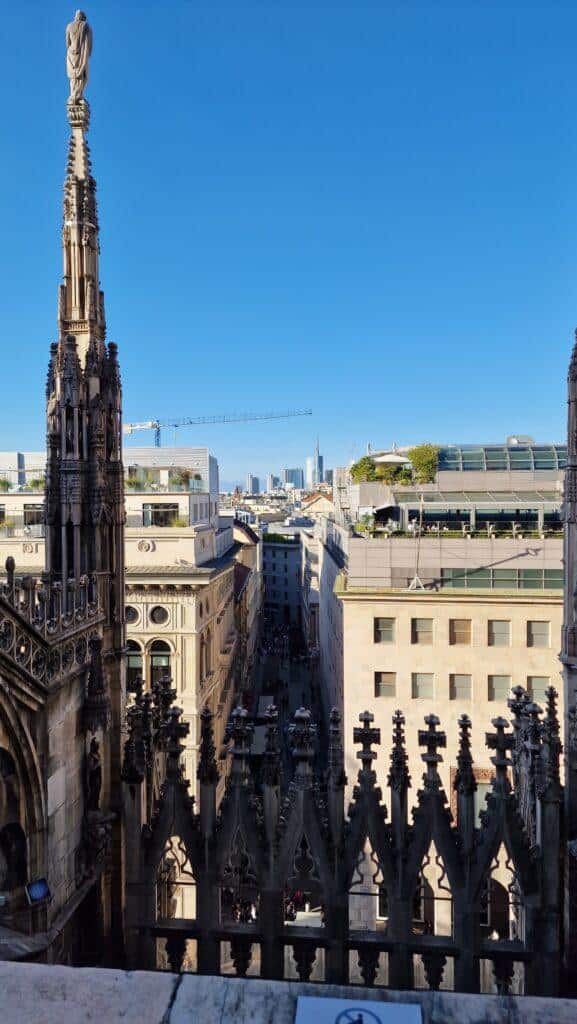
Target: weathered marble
x,y
50,995
235,1001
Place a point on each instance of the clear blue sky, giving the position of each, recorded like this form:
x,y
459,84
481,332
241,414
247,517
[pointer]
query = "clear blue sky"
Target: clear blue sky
x,y
368,209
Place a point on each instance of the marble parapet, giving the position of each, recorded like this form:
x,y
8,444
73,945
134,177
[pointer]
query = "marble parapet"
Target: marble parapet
x,y
49,995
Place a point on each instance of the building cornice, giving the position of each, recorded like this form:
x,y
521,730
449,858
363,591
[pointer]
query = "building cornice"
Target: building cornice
x,y
446,596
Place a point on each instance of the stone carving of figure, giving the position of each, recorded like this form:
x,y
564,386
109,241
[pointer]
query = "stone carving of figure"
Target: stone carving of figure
x,y
78,50
53,415
90,301
93,776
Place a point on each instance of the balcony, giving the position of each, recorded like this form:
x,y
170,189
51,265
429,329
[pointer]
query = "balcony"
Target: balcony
x,y
146,483
20,526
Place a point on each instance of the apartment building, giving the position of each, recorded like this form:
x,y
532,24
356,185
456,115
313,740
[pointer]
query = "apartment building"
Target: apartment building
x,y
282,577
439,603
193,584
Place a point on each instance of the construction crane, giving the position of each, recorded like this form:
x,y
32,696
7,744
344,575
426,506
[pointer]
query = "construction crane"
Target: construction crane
x,y
193,421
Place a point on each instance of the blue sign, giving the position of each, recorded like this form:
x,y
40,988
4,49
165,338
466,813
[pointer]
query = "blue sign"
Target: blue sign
x,y
317,1010
37,892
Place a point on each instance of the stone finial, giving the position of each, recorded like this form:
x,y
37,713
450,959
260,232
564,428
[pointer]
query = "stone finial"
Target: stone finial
x,y
271,759
399,777
572,376
366,735
303,735
432,740
465,777
163,695
517,704
552,746
336,771
174,731
132,769
501,742
207,772
239,731
136,687
10,565
146,728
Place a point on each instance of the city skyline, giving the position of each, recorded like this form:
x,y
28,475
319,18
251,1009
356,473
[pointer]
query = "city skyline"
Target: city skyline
x,y
359,285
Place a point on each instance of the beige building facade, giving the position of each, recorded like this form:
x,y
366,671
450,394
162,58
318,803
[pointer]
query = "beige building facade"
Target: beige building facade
x,y
444,625
449,653
186,615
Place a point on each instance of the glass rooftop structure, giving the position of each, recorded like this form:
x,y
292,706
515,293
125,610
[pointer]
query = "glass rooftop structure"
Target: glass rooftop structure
x,y
519,499
502,457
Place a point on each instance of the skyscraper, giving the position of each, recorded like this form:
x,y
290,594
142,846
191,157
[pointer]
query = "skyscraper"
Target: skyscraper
x,y
294,477
314,469
252,484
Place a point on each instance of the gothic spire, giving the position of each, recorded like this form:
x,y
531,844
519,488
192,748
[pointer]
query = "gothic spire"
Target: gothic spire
x,y
80,302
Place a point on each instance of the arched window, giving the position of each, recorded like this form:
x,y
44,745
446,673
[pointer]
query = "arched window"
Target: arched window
x,y
159,660
13,866
133,663
202,658
208,651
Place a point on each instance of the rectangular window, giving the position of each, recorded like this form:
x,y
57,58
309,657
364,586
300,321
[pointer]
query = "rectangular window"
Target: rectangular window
x,y
536,686
553,579
195,512
422,684
499,687
159,515
385,684
505,579
421,631
133,668
384,631
499,633
531,579
453,578
33,515
460,687
459,631
538,634
2,513
479,579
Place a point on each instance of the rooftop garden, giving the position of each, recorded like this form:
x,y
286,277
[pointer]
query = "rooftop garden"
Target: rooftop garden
x,y
367,527
423,459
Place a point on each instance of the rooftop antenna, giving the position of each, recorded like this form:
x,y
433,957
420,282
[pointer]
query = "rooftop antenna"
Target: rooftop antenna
x,y
416,582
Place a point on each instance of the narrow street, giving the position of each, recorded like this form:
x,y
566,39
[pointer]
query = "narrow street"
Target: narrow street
x,y
284,678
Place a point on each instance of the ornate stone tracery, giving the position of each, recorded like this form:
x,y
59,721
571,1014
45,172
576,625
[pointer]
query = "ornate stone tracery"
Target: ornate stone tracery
x,y
261,847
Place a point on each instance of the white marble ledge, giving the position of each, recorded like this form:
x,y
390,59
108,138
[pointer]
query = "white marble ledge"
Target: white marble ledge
x,y
40,994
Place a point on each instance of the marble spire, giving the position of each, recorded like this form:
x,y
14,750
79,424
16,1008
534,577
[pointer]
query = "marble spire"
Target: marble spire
x,y
80,301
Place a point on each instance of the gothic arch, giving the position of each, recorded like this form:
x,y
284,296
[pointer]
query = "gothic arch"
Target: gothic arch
x,y
16,739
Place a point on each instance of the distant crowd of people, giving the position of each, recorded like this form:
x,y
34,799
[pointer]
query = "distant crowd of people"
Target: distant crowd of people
x,y
276,641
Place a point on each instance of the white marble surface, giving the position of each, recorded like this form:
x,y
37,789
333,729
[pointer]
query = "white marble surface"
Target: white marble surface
x,y
38,994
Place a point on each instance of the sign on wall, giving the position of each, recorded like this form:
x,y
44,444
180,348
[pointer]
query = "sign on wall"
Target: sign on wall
x,y
316,1010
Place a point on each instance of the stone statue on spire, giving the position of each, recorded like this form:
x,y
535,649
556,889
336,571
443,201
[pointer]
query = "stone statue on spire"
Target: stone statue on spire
x,y
78,50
